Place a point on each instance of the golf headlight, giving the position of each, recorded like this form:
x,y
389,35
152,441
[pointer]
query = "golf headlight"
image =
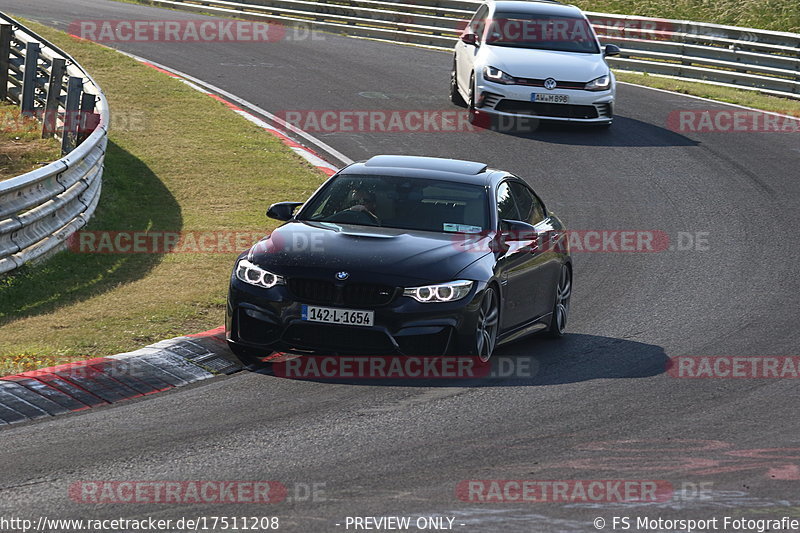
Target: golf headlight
x,y
255,275
443,292
497,76
599,84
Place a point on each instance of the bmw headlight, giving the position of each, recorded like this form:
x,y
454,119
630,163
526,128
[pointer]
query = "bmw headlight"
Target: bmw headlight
x,y
442,292
497,76
599,84
255,275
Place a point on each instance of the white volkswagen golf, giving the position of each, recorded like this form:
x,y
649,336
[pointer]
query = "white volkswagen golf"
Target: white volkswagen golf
x,y
537,59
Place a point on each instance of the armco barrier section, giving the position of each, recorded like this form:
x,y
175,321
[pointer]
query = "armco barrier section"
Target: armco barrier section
x,y
760,60
39,210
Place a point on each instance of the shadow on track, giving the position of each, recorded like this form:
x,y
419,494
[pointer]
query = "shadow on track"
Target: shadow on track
x,y
534,361
625,132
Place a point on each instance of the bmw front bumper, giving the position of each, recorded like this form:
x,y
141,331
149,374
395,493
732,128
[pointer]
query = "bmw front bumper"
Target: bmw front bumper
x,y
266,320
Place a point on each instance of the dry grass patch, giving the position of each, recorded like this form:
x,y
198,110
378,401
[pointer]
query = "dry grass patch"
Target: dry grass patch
x,y
21,147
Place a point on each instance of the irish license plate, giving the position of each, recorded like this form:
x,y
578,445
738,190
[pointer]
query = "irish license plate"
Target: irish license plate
x,y
331,315
550,98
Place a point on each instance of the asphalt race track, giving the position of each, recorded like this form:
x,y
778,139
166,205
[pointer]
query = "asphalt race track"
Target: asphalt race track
x,y
600,405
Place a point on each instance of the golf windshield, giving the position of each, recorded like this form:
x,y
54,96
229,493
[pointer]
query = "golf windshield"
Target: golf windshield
x,y
400,202
541,32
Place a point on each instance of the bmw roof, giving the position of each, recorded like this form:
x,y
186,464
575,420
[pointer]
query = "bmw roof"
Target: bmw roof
x,y
427,163
423,167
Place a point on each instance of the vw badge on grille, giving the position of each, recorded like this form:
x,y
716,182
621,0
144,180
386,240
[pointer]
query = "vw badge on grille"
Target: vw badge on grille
x,y
550,84
341,276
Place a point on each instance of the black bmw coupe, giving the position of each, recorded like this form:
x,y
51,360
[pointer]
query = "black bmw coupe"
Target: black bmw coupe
x,y
403,255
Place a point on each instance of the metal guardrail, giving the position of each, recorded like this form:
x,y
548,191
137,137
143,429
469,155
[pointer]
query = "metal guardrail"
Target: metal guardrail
x,y
41,209
759,60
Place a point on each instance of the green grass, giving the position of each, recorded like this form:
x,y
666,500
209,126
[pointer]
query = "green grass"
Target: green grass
x,y
22,148
776,15
177,160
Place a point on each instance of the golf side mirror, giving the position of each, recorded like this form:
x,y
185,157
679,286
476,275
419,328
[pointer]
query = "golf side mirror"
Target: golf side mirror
x,y
469,38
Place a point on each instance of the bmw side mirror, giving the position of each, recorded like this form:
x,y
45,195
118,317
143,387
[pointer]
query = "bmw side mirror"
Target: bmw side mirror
x,y
283,210
611,50
469,38
516,230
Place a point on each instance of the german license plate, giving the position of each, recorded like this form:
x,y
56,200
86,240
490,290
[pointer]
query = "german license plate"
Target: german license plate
x,y
331,315
550,98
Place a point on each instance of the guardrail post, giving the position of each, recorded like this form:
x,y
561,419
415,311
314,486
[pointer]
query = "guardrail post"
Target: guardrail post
x,y
88,118
54,86
69,133
29,78
796,88
6,31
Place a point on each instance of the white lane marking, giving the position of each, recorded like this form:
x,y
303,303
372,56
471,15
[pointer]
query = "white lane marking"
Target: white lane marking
x,y
313,159
195,87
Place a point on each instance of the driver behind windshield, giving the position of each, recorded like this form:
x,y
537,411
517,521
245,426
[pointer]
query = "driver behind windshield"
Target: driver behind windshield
x,y
364,201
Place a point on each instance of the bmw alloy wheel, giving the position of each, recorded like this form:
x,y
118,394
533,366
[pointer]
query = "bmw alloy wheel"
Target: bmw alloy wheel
x,y
488,323
558,323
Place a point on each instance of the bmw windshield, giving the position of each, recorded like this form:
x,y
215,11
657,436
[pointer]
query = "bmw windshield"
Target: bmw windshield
x,y
541,32
399,202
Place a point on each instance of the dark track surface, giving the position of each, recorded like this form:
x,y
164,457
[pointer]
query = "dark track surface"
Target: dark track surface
x,y
399,448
